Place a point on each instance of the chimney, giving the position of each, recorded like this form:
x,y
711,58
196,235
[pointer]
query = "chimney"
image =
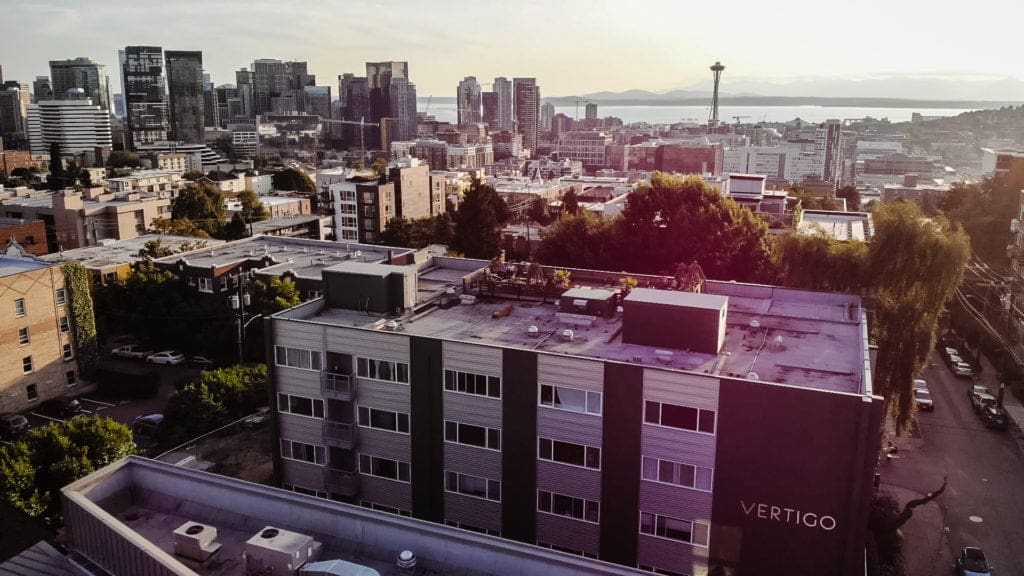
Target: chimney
x,y
910,180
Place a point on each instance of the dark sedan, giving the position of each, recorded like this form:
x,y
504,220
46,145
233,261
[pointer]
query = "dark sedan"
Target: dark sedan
x,y
63,407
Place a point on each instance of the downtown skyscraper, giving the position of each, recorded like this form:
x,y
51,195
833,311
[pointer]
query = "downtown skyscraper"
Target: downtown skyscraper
x,y
527,111
392,95
83,73
185,95
145,97
468,98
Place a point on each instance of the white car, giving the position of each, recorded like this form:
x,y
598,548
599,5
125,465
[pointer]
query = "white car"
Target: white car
x,y
923,399
962,369
166,357
920,384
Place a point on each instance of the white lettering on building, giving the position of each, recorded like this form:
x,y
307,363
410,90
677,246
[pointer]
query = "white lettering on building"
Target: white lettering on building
x,y
788,515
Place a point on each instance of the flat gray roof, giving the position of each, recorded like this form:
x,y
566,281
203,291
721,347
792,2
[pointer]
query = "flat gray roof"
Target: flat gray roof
x,y
125,251
281,250
677,298
143,501
11,266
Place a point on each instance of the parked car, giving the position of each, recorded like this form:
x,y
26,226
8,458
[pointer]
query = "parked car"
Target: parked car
x,y
166,357
920,384
923,399
63,407
962,369
148,430
977,389
980,401
13,425
948,353
972,562
134,351
995,417
200,362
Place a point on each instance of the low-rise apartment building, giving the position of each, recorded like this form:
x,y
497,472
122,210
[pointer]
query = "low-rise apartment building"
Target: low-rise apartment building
x,y
586,419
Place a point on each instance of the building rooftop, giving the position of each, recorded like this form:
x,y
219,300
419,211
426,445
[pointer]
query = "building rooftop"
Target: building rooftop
x,y
842,226
807,339
14,264
285,254
138,504
112,252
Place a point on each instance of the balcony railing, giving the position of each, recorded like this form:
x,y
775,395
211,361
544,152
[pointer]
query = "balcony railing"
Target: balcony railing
x,y
340,434
337,386
342,482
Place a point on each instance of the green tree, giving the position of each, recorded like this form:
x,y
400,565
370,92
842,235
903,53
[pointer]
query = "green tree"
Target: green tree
x,y
380,166
236,228
216,398
280,294
819,262
580,241
203,205
192,175
479,221
83,319
443,229
177,227
253,209
852,197
292,179
123,159
398,232
916,265
35,469
154,249
538,211
984,210
679,219
570,203
55,180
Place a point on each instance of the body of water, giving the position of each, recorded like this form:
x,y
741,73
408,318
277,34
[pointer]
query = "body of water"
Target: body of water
x,y
748,114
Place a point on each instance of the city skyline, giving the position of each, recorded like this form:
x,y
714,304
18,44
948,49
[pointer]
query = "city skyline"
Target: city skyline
x,y
595,49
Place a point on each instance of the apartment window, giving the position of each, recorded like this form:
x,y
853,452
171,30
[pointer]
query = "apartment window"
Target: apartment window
x,y
571,399
566,550
303,452
383,420
661,571
681,417
569,453
65,326
383,468
297,358
383,508
19,307
32,392
674,528
23,336
301,406
205,284
68,352
569,506
383,370
470,435
71,377
62,297
473,486
26,364
470,383
471,528
306,491
669,472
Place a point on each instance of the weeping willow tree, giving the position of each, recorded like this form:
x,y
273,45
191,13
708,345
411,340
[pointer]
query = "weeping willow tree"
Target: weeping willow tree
x,y
916,263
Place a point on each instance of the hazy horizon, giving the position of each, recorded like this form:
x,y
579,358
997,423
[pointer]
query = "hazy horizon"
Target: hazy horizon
x,y
574,47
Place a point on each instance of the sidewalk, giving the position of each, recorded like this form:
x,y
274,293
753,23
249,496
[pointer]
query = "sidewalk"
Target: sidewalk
x,y
989,378
925,547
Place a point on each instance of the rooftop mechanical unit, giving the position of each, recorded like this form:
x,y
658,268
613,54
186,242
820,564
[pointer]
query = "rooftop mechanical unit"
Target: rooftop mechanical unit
x,y
195,541
280,551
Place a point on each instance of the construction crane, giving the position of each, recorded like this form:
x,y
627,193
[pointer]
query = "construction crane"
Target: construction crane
x,y
578,100
738,119
429,100
363,124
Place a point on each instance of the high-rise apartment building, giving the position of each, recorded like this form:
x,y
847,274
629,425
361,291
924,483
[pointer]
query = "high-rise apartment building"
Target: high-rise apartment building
x,y
547,112
527,111
392,95
82,73
244,79
264,85
76,125
274,79
503,88
430,390
145,95
42,89
591,111
468,101
186,95
15,98
403,109
354,99
491,114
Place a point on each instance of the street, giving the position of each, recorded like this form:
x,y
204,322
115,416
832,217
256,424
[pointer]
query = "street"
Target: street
x,y
982,505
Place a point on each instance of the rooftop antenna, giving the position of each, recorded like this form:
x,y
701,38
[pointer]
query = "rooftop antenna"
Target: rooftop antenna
x,y
716,69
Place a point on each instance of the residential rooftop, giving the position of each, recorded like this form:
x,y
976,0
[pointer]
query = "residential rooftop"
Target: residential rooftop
x,y
801,338
110,252
137,504
11,265
842,226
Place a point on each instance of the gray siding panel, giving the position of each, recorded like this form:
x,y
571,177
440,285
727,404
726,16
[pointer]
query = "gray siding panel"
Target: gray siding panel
x,y
472,460
569,480
301,428
569,426
298,334
476,512
675,501
569,371
302,474
385,492
568,532
678,445
389,346
683,389
383,395
670,555
297,381
473,358
472,409
391,445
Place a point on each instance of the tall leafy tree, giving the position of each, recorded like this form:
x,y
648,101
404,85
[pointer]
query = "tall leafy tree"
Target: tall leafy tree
x,y
253,209
852,197
479,221
293,179
202,204
123,159
55,180
570,203
580,241
538,211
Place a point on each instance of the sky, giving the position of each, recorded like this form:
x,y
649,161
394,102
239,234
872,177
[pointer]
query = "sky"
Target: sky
x,y
570,46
